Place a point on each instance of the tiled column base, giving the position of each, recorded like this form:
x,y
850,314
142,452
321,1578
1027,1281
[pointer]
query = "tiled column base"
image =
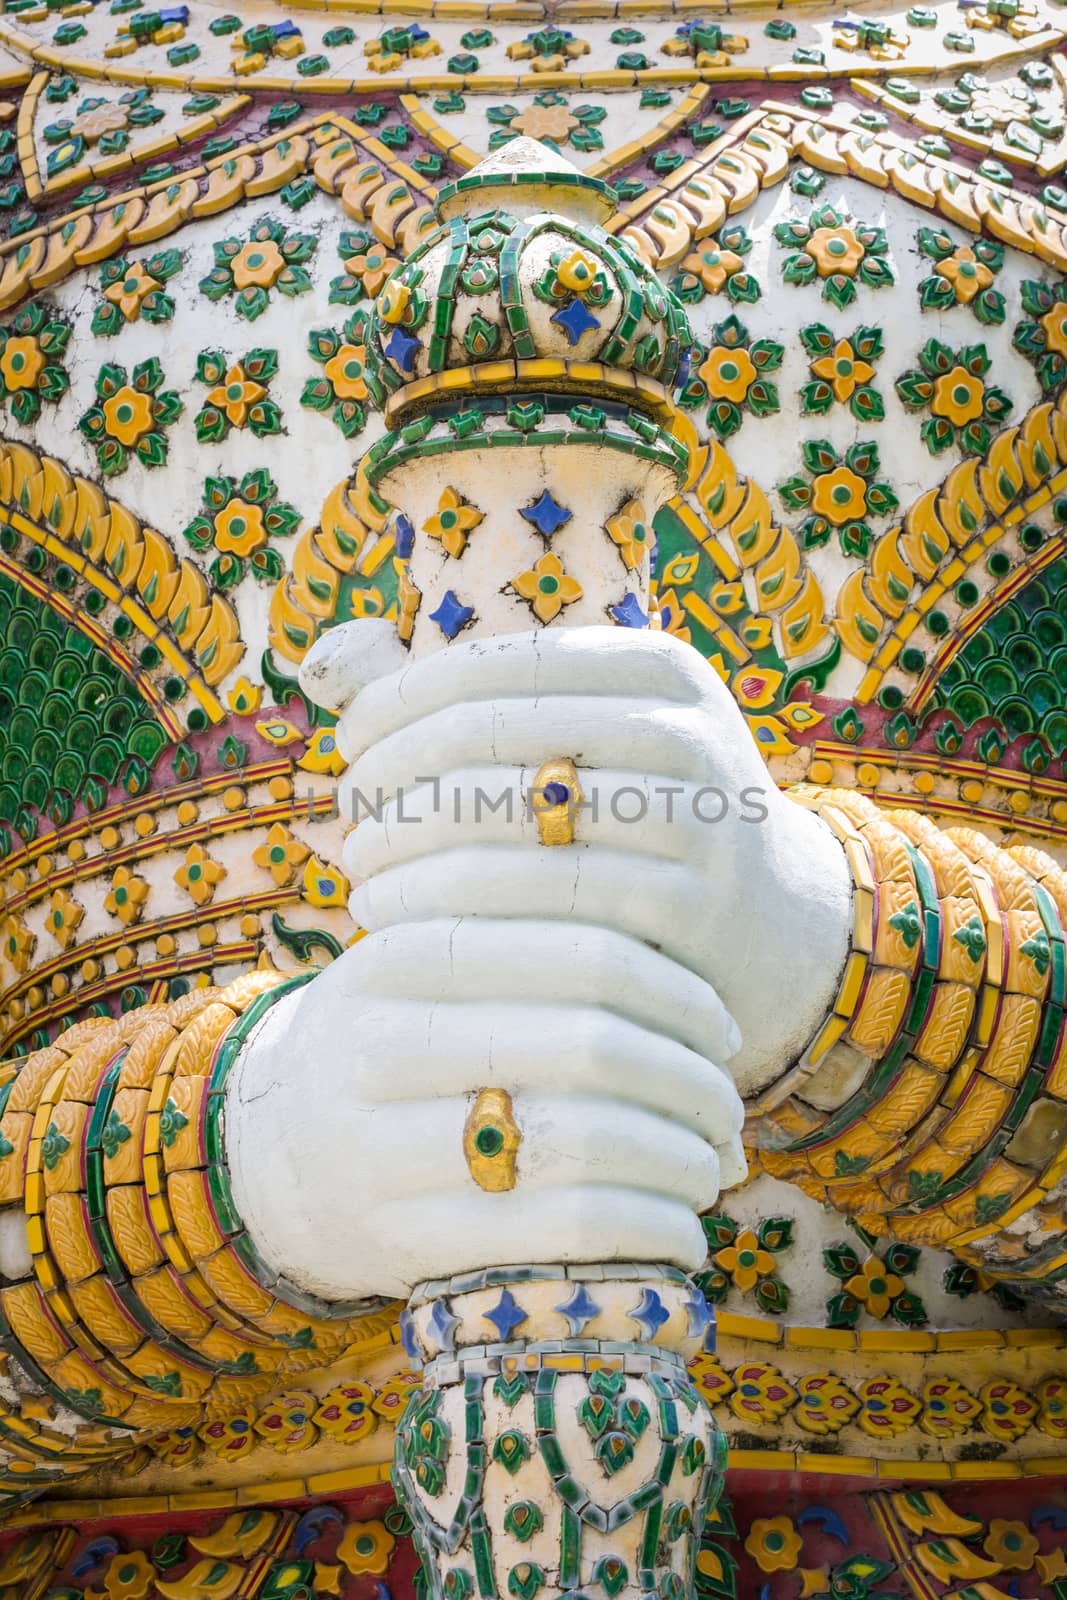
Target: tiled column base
x,y
557,1444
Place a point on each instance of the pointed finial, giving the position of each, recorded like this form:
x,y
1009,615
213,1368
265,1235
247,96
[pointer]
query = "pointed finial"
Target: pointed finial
x,y
528,177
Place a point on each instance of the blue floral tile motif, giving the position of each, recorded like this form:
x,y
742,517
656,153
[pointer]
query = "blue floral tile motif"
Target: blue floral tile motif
x,y
578,1310
443,1325
628,613
575,319
650,1313
701,1315
506,1315
547,515
402,348
451,615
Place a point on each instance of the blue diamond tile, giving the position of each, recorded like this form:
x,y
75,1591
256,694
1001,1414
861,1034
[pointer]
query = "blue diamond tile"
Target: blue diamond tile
x,y
628,613
506,1315
578,1310
650,1313
450,615
405,536
547,515
575,319
402,349
443,1324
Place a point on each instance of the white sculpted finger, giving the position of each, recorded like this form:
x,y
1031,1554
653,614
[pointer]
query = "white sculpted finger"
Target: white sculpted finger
x,y
591,731
481,959
459,1048
574,661
648,815
658,902
569,1224
733,1163
346,658
566,1139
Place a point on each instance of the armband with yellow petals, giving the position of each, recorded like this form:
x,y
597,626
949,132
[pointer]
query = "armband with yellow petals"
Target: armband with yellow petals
x,y
932,1103
140,1304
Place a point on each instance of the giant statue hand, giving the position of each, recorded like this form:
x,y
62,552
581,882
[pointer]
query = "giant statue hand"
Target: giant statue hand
x,y
697,916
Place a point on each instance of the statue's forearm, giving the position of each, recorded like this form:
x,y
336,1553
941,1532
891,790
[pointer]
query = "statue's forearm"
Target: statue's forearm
x,y
138,1302
932,1104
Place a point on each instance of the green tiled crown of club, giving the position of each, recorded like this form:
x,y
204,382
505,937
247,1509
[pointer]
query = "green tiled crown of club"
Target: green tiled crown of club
x,y
520,272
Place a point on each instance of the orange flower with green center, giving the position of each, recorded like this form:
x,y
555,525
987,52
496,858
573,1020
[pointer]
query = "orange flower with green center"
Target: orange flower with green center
x,y
257,265
967,275
843,370
728,374
347,381
128,894
199,875
346,371
64,915
134,291
547,587
22,363
951,384
16,943
131,290
839,496
281,854
129,1576
959,396
238,520
774,1544
270,258
453,520
31,374
735,374
963,275
875,1287
631,533
236,394
713,267
366,1547
745,1261
1012,1544
835,250
128,415
239,528
371,266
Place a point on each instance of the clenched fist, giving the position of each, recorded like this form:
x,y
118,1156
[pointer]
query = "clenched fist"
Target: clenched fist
x,y
697,916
